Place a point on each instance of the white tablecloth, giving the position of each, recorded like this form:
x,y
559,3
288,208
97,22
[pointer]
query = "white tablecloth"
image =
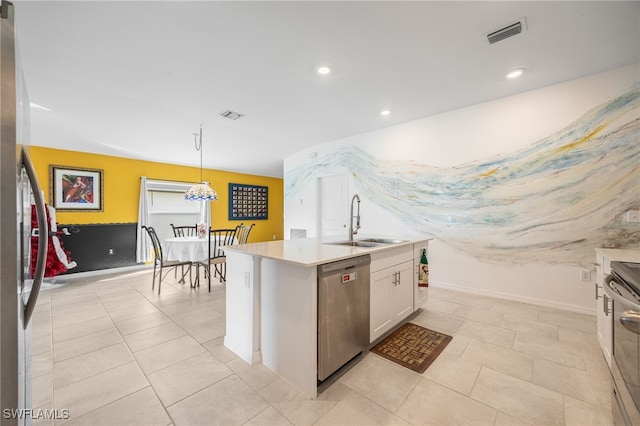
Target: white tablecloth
x,y
191,249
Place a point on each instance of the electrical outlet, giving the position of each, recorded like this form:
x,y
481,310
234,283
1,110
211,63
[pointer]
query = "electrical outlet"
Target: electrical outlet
x,y
110,252
585,275
633,216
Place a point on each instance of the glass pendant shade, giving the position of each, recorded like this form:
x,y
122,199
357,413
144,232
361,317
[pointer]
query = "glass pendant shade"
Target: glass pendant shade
x,y
200,192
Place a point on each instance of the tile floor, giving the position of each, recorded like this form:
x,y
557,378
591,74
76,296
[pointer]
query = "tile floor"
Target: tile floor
x,y
111,351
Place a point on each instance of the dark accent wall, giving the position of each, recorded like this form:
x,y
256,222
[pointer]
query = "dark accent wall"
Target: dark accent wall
x,y
100,246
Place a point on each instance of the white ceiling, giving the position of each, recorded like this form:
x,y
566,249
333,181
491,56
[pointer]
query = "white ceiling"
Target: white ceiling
x,y
136,79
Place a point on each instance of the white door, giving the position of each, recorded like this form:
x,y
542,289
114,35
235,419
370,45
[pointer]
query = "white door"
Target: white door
x,y
334,205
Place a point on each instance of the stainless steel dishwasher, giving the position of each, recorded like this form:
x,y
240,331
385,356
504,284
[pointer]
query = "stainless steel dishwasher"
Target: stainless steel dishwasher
x,y
343,312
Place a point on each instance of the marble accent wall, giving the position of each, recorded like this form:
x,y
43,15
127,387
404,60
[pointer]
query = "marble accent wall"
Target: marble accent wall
x,y
552,201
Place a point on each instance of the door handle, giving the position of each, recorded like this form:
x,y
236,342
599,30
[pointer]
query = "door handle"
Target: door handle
x,y
631,321
43,238
597,287
605,305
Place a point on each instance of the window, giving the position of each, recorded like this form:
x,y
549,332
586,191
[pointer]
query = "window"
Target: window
x,y
167,205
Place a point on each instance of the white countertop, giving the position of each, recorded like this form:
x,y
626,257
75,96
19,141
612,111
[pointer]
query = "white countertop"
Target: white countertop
x,y
620,254
314,251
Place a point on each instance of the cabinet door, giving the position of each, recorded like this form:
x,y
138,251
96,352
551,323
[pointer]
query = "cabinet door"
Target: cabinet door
x,y
380,303
402,291
603,313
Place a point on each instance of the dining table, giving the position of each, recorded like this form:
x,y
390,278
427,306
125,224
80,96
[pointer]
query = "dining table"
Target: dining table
x,y
184,249
189,249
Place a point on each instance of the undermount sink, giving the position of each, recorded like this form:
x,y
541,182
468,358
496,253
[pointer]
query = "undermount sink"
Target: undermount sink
x,y
354,243
368,242
381,241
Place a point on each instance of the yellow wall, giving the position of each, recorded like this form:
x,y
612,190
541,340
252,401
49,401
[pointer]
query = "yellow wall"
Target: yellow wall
x,y
122,189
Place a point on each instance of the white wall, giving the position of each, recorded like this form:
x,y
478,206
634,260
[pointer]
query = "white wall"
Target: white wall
x,y
535,249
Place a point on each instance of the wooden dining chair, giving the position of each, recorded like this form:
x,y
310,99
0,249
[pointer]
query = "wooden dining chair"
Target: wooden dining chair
x,y
159,262
217,239
242,232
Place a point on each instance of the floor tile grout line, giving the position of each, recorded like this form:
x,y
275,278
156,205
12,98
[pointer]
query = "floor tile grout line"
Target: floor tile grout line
x,y
54,363
146,376
534,358
391,363
420,377
580,347
498,410
51,351
176,323
261,412
233,373
166,408
470,390
93,375
135,360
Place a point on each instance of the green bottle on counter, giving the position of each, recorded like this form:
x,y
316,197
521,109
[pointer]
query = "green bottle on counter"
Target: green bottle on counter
x,y
423,270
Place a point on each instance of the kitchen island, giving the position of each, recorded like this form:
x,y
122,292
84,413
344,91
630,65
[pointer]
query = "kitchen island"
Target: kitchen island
x,y
272,299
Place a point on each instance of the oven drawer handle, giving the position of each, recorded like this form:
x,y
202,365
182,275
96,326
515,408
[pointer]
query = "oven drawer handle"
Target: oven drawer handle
x,y
615,297
631,321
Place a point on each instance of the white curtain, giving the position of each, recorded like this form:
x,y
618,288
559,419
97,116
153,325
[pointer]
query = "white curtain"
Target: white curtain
x,y
143,245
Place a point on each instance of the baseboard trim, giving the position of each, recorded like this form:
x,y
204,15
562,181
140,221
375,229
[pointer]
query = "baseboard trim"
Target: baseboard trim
x,y
516,298
237,349
97,272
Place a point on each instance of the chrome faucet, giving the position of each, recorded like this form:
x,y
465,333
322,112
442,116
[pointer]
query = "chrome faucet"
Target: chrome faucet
x,y
352,231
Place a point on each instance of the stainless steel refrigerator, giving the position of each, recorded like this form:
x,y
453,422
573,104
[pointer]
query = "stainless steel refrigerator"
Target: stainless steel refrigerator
x,y
19,189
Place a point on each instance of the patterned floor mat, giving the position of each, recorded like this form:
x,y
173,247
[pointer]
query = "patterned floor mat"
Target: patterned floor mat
x,y
412,346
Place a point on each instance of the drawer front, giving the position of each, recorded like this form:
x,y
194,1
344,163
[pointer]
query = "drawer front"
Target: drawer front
x,y
387,258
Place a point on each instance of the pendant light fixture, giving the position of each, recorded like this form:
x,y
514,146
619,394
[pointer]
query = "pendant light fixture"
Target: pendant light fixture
x,y
201,191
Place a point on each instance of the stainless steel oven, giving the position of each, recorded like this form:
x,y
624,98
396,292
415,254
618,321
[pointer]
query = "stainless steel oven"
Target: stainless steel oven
x,y
623,287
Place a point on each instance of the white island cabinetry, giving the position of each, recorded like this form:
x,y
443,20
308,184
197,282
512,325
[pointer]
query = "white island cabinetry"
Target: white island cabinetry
x,y
272,299
391,290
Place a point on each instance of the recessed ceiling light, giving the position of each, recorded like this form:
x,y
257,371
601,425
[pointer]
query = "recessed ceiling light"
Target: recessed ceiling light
x,y
515,73
385,112
324,70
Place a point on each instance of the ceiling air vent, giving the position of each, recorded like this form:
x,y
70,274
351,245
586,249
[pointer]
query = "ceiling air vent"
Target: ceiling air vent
x,y
506,32
231,115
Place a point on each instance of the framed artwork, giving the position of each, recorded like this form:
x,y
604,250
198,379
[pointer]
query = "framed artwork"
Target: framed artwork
x,y
248,202
76,189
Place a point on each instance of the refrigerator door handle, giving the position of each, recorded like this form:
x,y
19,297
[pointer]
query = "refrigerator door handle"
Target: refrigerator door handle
x,y
43,240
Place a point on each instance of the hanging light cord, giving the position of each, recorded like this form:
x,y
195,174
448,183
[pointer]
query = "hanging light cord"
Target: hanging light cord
x,y
200,191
